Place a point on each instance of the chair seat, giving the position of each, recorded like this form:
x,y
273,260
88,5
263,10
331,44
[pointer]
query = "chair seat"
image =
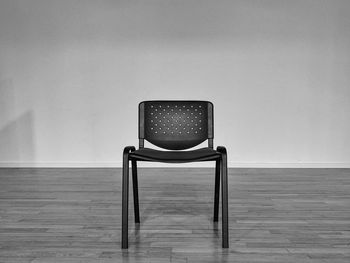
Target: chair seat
x,y
152,155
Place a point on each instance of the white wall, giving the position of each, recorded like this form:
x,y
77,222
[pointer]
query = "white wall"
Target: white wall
x,y
72,74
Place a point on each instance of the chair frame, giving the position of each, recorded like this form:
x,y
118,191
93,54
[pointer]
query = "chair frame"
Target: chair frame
x,y
220,176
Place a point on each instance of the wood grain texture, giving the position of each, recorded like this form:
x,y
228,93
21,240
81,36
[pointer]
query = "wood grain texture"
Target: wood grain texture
x,y
74,215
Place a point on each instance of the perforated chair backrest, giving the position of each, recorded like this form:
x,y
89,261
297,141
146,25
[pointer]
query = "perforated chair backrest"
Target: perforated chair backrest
x,y
176,125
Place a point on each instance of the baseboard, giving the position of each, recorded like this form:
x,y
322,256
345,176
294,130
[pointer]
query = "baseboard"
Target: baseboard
x,y
150,164
288,165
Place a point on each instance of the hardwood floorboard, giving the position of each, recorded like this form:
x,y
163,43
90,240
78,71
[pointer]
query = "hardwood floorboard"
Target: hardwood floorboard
x,y
275,215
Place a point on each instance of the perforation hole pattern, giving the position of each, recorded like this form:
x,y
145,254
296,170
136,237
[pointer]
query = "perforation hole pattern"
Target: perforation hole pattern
x,y
176,121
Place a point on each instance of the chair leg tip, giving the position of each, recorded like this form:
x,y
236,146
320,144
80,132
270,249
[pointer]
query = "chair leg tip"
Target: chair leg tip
x,y
225,244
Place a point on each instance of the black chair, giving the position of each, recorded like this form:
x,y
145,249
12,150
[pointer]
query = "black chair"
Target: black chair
x,y
175,126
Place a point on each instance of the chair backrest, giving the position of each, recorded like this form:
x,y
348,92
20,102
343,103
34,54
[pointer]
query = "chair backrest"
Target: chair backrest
x,y
176,125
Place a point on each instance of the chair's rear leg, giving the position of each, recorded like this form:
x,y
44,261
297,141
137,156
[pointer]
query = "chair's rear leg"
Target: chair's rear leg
x,y
217,191
135,191
224,190
125,200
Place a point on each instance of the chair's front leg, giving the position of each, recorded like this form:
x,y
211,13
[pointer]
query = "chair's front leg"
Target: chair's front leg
x,y
135,191
125,195
217,191
224,191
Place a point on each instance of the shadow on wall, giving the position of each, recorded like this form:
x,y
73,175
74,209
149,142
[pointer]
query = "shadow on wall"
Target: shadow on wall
x,y
16,132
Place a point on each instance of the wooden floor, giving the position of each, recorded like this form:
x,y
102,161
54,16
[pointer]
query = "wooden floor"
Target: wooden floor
x,y
74,215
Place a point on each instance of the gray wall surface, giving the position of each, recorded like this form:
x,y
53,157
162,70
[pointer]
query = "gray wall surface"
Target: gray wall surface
x,y
73,72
